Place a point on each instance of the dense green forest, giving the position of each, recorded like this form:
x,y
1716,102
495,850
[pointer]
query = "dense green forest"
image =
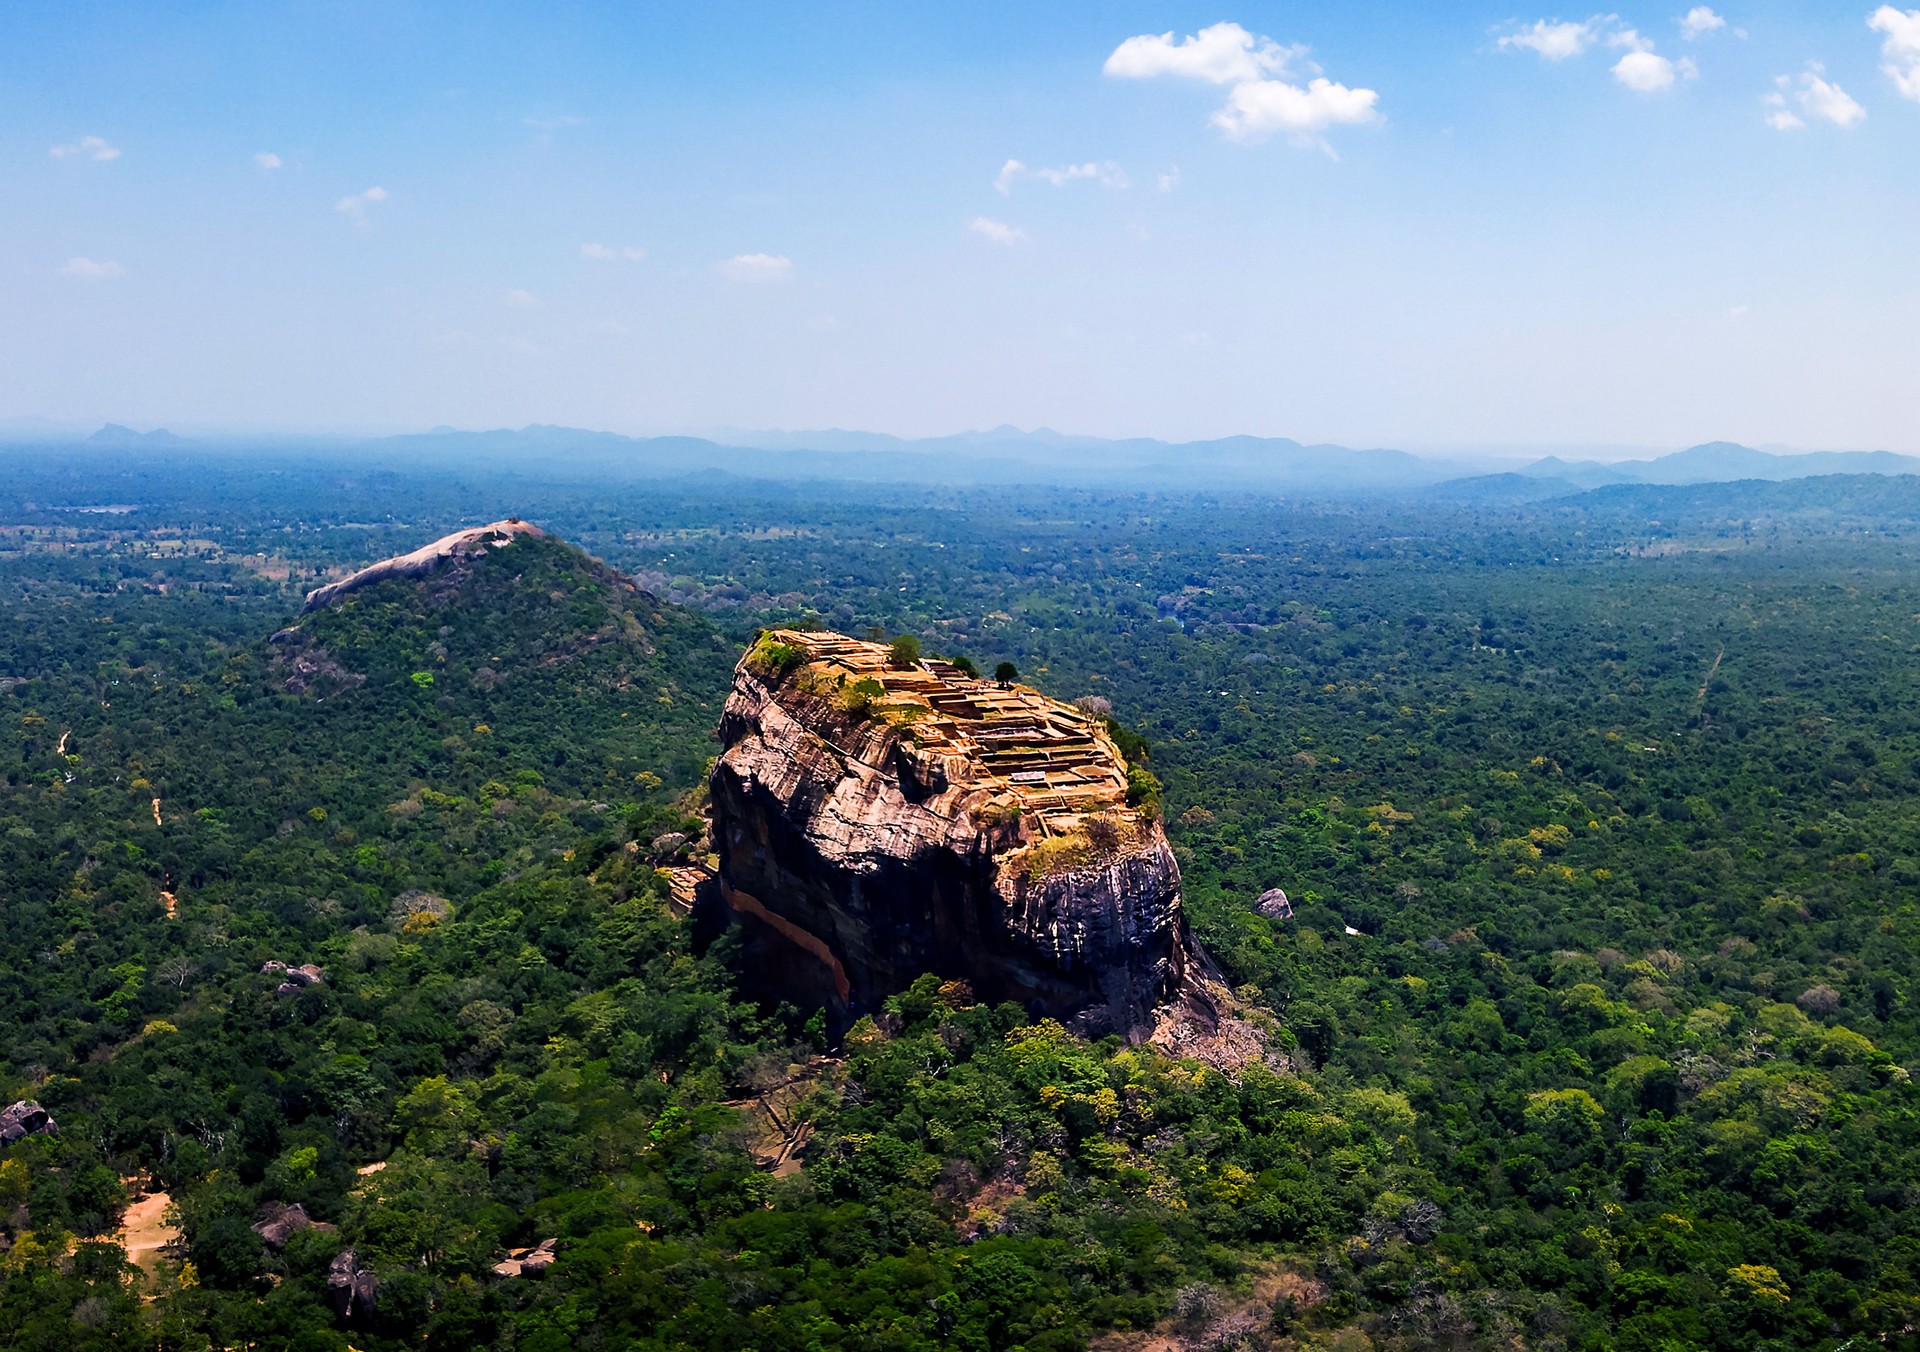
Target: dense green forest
x,y
1592,1027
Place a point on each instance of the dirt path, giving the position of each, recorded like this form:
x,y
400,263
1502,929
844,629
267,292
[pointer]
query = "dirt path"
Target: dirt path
x,y
61,750
156,812
144,1232
778,1139
1701,697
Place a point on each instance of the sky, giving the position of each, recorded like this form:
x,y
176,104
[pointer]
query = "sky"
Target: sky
x,y
1431,226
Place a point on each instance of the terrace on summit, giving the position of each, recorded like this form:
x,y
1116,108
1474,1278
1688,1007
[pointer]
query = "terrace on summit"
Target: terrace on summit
x,y
1050,761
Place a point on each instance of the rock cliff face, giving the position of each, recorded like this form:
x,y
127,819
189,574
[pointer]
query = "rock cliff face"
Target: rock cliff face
x,y
874,823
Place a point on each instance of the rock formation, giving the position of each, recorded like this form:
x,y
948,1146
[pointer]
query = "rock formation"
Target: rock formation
x,y
297,978
875,822
25,1118
352,1291
1274,905
529,1262
281,1221
427,559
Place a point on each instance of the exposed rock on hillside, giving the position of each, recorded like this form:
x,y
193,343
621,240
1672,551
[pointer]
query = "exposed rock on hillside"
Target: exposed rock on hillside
x,y
875,823
352,1291
297,978
282,1221
25,1118
462,544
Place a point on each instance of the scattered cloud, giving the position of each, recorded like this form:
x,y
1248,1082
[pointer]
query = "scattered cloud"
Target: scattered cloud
x,y
1699,22
1901,51
266,159
997,231
92,270
1640,69
606,253
553,123
354,207
757,267
86,148
1815,96
1168,181
1644,70
522,298
1779,117
1107,175
1553,39
1225,53
1264,96
1737,312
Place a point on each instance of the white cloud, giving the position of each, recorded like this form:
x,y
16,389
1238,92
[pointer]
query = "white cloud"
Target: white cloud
x,y
1700,21
1226,53
553,123
1901,50
86,148
1815,96
1258,108
1644,70
266,159
1640,69
1168,181
606,253
757,267
1555,40
997,231
92,270
1260,102
355,206
521,297
1778,116
1107,175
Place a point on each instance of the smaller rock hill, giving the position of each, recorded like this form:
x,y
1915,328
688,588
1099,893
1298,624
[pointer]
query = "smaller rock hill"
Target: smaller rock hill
x,y
448,552
504,643
877,821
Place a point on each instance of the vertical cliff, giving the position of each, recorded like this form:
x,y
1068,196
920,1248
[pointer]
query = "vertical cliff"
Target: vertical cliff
x,y
875,822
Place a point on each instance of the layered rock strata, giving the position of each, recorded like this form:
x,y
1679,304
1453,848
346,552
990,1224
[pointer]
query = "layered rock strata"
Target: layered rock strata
x,y
875,822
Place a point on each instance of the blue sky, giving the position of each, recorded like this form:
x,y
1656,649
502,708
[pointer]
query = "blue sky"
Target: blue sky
x,y
1490,227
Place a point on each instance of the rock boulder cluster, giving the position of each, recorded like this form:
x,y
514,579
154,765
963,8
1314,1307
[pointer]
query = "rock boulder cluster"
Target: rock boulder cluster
x,y
353,1291
25,1118
295,979
876,820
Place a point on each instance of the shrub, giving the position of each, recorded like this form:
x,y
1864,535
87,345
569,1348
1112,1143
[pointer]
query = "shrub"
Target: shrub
x,y
904,654
772,659
1058,854
859,697
1143,790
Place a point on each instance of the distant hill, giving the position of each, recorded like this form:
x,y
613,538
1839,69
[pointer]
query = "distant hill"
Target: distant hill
x,y
1720,462
1001,456
113,434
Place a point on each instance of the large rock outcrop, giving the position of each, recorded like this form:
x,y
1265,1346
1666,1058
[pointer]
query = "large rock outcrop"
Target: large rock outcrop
x,y
874,823
428,559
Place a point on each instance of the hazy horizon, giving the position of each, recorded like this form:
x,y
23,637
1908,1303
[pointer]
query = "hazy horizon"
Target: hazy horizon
x,y
27,429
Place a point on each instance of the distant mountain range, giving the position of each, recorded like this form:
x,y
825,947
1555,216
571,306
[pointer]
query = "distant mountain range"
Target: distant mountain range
x,y
1010,455
1719,462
